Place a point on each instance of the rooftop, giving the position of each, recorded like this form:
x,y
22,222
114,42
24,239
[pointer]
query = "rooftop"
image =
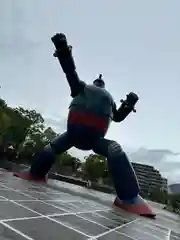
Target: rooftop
x,y
59,210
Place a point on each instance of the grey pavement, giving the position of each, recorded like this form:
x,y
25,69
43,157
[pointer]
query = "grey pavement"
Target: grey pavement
x,y
58,210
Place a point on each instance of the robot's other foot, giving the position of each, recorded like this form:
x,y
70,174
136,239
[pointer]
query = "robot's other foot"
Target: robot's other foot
x,y
137,206
26,175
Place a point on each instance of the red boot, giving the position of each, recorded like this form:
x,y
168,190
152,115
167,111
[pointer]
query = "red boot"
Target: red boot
x,y
26,175
137,206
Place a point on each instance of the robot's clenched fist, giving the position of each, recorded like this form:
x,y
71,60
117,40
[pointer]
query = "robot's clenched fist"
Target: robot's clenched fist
x,y
61,45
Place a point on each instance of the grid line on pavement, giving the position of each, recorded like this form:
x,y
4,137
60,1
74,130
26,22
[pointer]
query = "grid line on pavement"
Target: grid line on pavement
x,y
112,230
16,231
46,216
73,212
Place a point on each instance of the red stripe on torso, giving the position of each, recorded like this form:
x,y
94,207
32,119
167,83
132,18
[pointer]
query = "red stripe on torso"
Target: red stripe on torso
x,y
93,121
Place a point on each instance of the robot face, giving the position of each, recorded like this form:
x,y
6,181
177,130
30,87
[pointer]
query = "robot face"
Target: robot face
x,y
99,83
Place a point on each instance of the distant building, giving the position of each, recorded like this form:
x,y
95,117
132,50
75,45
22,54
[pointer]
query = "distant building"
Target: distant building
x,y
165,184
149,178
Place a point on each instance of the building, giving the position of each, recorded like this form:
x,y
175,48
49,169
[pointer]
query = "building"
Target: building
x,y
165,184
149,178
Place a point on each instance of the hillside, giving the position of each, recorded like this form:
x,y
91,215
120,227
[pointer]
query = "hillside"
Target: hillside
x,y
174,188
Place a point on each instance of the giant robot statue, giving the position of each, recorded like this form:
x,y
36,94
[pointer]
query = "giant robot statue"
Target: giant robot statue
x,y
90,113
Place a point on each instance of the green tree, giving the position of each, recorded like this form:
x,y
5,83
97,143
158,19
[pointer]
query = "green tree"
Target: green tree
x,y
24,129
34,117
175,202
3,103
35,120
18,128
33,129
49,134
66,159
31,146
95,166
5,120
158,195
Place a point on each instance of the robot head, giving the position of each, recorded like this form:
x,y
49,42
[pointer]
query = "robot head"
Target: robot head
x,y
99,82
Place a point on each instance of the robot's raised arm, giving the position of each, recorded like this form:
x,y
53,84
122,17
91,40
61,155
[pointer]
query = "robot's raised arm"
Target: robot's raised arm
x,y
64,54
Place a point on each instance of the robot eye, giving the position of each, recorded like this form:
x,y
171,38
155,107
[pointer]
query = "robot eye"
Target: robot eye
x,y
99,83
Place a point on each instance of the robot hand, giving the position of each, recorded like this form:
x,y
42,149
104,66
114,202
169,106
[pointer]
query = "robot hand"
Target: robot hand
x,y
131,100
64,53
61,45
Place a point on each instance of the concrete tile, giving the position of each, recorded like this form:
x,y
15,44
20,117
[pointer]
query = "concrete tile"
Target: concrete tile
x,y
45,229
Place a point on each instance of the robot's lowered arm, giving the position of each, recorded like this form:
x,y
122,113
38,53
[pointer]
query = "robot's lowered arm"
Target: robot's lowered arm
x,y
126,107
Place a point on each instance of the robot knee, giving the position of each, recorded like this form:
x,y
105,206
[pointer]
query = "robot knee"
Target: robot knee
x,y
46,153
55,145
48,147
51,148
114,150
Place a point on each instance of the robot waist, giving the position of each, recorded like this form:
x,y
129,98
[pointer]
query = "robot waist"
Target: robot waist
x,y
98,123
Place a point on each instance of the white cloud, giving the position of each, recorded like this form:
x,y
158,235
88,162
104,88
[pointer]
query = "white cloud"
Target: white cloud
x,y
166,161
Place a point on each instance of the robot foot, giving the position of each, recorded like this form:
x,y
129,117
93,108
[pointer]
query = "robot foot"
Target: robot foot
x,y
137,206
26,175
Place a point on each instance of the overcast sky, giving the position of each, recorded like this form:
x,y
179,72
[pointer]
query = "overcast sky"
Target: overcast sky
x,y
134,44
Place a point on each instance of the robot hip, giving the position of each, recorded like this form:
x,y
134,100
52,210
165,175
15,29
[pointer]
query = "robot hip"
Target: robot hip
x,y
85,128
91,121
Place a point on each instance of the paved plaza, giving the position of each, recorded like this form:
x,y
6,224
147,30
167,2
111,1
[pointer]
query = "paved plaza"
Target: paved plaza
x,y
37,211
